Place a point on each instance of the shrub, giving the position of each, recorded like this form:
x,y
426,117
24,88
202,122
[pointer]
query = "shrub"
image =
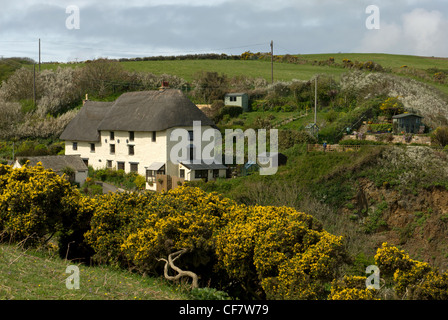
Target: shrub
x,y
36,203
411,279
381,127
231,111
290,138
440,136
351,288
278,251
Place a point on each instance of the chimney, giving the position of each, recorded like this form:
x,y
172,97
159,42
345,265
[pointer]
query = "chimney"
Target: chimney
x,y
165,85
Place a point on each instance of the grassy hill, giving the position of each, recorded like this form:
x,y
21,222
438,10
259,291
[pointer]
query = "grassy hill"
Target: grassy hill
x,y
40,275
254,69
302,67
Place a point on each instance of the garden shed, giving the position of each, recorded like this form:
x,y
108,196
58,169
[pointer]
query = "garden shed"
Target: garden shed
x,y
237,100
408,122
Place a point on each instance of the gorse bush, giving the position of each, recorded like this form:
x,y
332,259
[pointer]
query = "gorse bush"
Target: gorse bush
x,y
279,252
253,246
245,251
36,203
411,279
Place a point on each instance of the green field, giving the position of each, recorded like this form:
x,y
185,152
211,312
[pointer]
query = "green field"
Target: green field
x,y
386,60
305,70
254,69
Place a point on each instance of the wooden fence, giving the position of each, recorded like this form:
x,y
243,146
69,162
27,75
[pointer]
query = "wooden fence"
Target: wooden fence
x,y
332,148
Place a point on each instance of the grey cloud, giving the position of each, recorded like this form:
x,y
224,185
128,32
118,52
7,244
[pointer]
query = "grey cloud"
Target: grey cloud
x,y
139,28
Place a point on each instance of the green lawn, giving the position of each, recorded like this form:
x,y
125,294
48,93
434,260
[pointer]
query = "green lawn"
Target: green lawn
x,y
39,275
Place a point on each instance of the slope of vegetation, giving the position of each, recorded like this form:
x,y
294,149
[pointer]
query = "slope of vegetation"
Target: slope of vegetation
x,y
273,252
39,274
320,209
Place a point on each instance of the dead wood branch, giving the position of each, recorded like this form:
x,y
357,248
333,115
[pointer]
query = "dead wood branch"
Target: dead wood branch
x,y
181,273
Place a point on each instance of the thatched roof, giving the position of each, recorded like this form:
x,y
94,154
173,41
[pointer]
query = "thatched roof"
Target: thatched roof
x,y
152,111
135,111
84,127
58,163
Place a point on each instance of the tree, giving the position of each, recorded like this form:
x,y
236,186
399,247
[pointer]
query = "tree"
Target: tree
x,y
10,117
210,86
102,77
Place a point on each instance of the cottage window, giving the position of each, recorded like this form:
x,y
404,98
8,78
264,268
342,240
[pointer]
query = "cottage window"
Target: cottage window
x,y
131,135
191,152
112,135
134,167
233,99
152,174
182,173
216,173
112,149
109,163
92,147
131,150
86,162
75,146
120,166
199,174
154,135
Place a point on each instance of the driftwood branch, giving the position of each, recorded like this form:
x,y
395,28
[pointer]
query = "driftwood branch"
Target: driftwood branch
x,y
181,273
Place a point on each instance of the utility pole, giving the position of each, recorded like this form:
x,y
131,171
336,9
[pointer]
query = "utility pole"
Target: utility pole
x,y
34,84
315,102
39,54
272,61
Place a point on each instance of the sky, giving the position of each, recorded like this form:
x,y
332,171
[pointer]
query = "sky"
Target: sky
x,y
78,30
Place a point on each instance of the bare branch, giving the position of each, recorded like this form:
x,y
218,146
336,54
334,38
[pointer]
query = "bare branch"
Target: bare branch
x,y
181,273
